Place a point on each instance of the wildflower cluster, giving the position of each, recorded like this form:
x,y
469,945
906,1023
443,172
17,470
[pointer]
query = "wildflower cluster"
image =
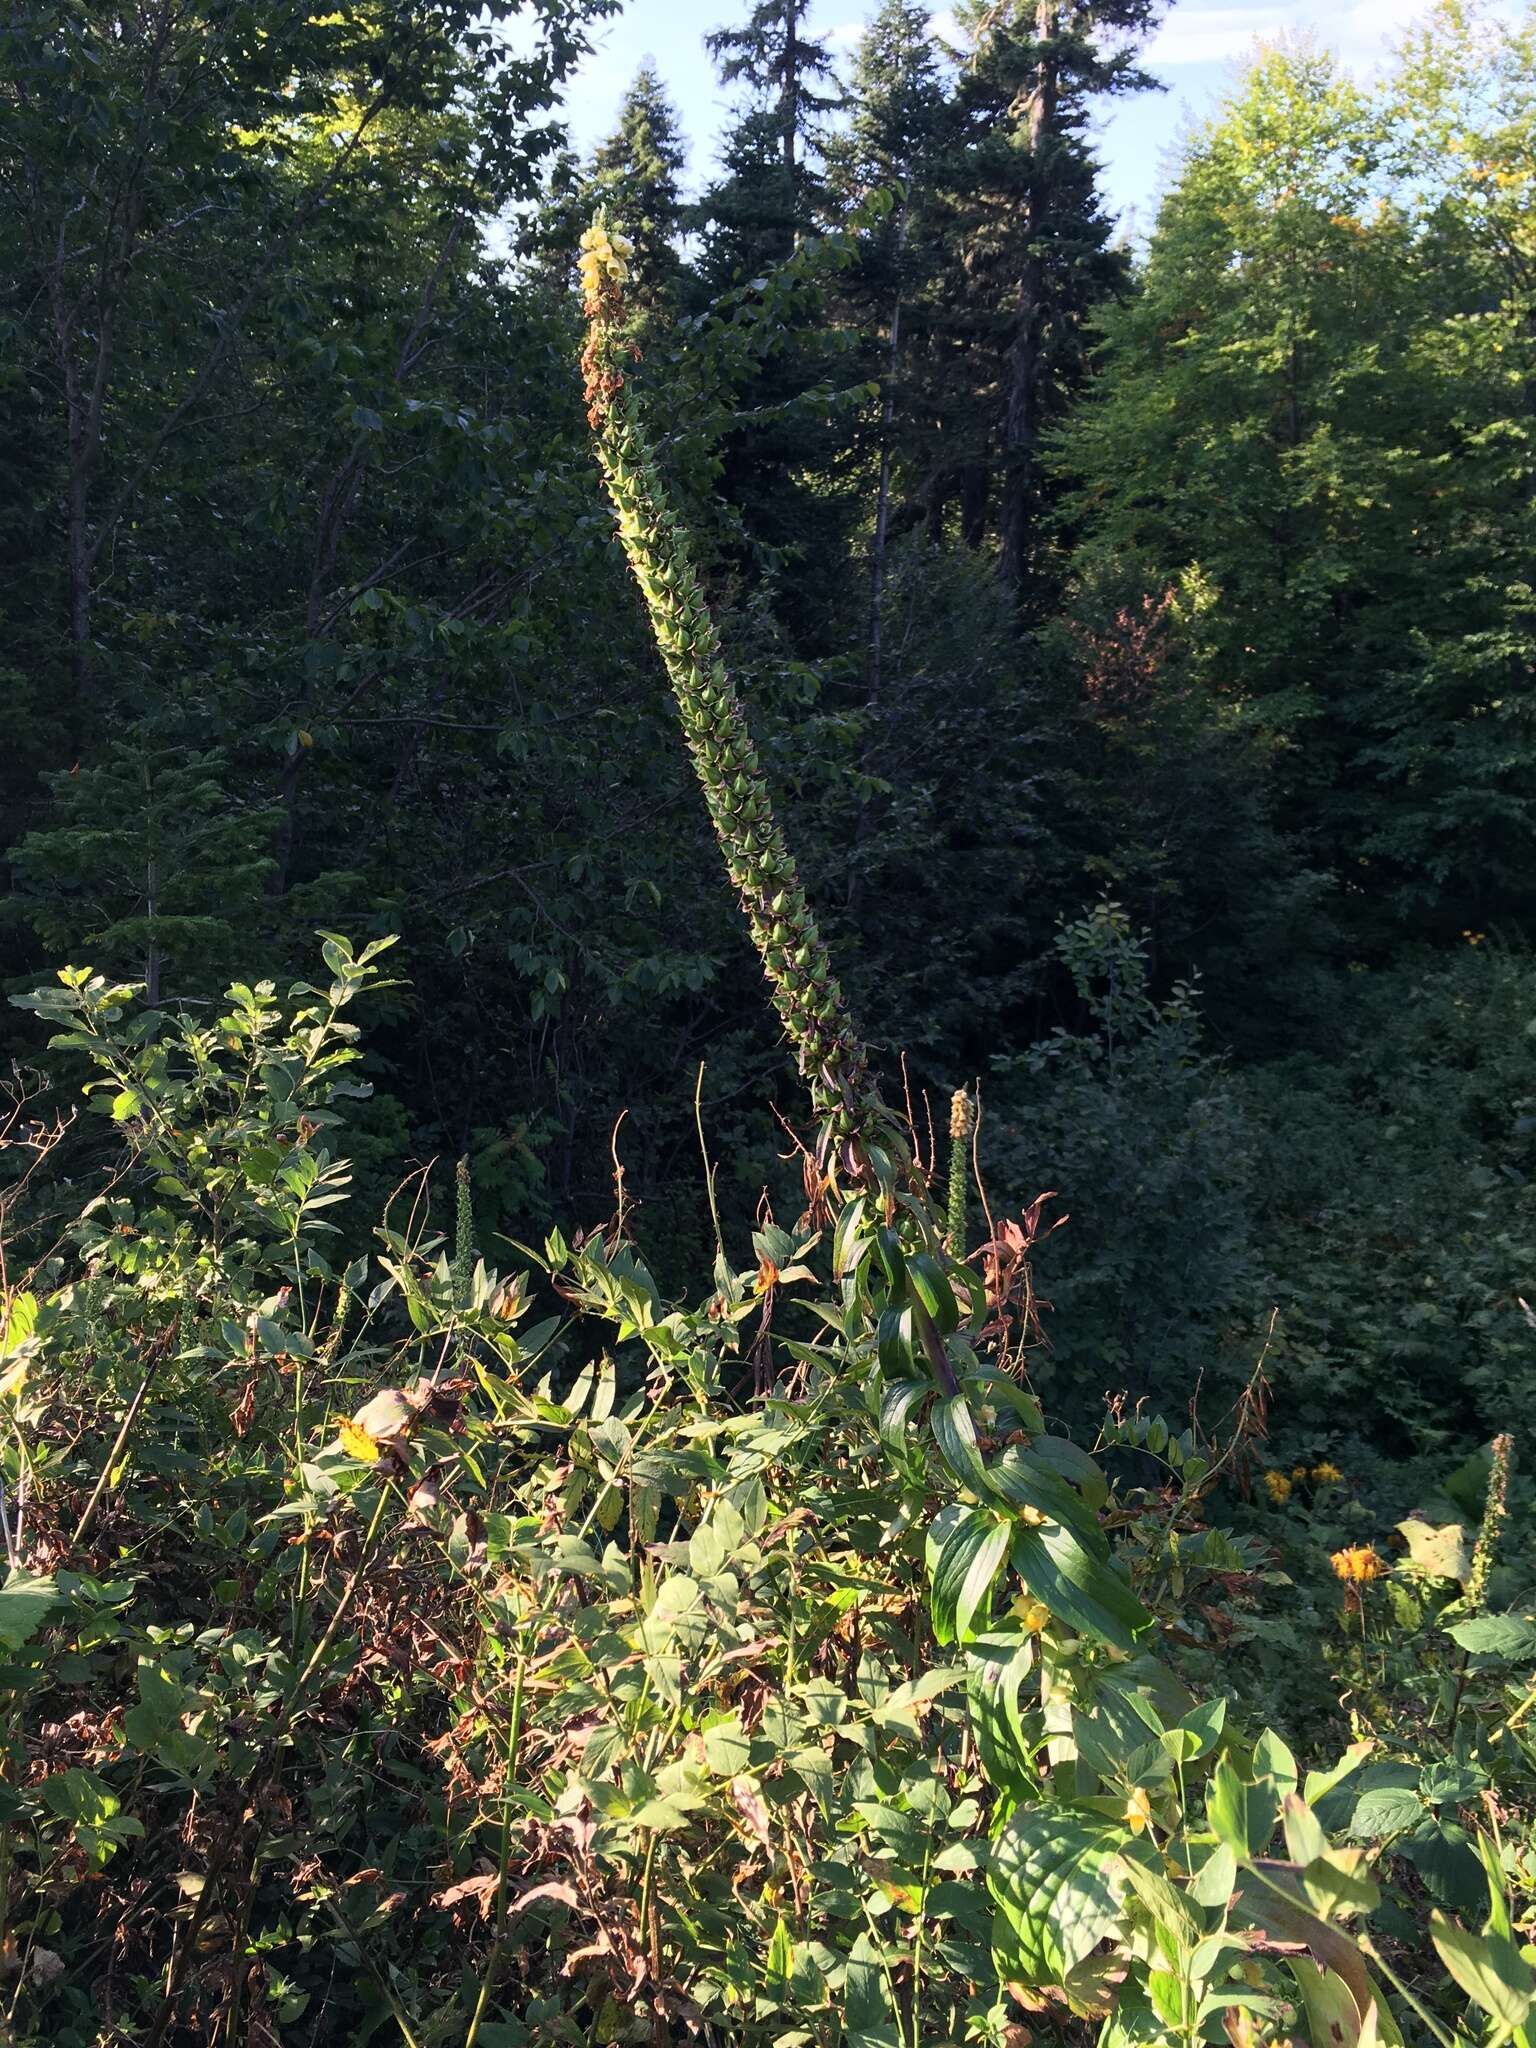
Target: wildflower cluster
x,y
603,259
808,999
1357,1564
1281,1485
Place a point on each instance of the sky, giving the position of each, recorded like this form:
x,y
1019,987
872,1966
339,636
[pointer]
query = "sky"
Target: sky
x,y
1194,54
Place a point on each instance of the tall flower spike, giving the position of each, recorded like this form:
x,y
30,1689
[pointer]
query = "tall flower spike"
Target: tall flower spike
x,y
1495,1510
960,1127
809,1002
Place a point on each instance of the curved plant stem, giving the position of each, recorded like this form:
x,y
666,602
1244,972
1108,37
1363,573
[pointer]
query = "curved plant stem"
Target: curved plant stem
x,y
810,1003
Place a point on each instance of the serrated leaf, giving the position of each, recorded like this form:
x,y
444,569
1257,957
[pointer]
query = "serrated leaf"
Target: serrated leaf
x,y
1510,1636
26,1601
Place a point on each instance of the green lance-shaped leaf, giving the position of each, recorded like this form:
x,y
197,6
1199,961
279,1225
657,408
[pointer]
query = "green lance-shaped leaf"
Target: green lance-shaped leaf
x,y
968,1559
806,995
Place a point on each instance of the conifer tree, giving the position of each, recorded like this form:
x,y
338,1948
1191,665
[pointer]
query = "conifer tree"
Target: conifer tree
x,y
1037,251
635,175
772,189
893,142
785,68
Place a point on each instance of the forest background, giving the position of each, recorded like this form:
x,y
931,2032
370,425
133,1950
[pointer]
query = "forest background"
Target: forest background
x,y
1140,644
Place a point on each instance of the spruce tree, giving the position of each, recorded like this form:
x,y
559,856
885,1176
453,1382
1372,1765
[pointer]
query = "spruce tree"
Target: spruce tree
x,y
771,193
1037,253
892,143
635,176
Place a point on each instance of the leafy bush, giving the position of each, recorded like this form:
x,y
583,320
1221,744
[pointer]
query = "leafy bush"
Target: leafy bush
x,y
1140,1133
385,1655
1396,1207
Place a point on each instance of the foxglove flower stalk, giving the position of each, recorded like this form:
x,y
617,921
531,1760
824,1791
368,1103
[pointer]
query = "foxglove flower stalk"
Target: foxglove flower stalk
x,y
809,1002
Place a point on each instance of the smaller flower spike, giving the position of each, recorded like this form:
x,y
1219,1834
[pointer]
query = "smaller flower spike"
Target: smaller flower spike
x,y
810,1004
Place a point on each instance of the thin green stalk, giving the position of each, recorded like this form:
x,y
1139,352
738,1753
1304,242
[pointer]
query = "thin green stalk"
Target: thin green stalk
x,y
380,1980
119,1442
498,1940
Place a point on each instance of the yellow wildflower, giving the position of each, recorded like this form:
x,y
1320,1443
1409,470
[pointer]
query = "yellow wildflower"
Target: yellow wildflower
x,y
1298,1471
1032,1613
1278,1487
1138,1811
603,256
1326,1473
1357,1564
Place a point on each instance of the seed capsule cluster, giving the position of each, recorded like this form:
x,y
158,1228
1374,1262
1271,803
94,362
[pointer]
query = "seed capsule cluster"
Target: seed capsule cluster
x,y
805,993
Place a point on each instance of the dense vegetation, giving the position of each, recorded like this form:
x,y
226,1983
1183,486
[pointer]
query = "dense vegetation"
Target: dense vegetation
x,y
821,1588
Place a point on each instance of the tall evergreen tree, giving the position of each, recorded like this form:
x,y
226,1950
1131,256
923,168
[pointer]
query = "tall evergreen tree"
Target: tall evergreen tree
x,y
785,68
771,192
1037,254
635,175
892,143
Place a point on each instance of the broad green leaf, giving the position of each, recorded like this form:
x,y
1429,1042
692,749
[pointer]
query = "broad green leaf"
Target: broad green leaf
x,y
1445,1856
1072,1464
781,1956
1320,1783
1083,1591
954,1430
933,1291
1216,1879
1338,1882
1442,1553
971,1557
727,1749
1510,1636
1169,1911
1020,1477
996,1669
1273,1759
1059,1881
897,1400
1332,2015
1198,1733
26,1601
1242,1813
1304,1838
1488,1967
